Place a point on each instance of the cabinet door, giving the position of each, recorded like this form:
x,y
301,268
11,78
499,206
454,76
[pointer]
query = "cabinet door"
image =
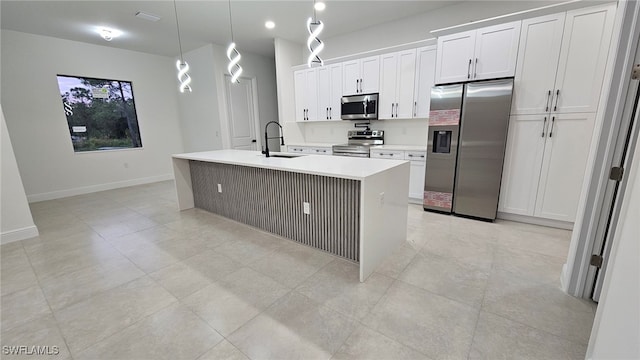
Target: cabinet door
x,y
300,85
350,77
583,58
335,102
416,180
496,51
425,79
522,164
455,54
370,75
405,84
388,85
312,94
324,92
565,160
538,57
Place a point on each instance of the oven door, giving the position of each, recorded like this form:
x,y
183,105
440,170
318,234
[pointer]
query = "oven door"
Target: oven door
x,y
360,107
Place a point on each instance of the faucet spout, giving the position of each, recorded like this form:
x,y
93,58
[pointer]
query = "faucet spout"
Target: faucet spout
x,y
266,137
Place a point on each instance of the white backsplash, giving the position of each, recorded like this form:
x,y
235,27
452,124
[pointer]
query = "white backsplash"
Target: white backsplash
x,y
396,132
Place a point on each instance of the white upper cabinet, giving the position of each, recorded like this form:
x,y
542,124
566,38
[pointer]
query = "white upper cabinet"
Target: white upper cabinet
x,y
566,151
397,81
583,58
424,80
455,56
306,94
562,60
538,57
485,53
329,91
496,51
361,76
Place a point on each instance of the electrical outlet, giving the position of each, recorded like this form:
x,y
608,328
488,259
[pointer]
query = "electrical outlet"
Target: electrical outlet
x,y
382,198
220,188
307,208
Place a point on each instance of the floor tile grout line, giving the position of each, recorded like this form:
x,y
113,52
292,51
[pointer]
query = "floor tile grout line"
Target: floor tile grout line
x,y
484,294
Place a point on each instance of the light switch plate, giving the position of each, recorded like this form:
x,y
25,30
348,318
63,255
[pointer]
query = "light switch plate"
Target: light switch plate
x,y
220,188
307,208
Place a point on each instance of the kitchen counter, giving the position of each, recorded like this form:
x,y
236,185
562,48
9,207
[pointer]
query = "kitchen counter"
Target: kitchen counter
x,y
401,147
351,207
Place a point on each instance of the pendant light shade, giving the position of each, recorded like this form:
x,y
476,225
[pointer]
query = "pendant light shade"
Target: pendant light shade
x,y
234,68
183,68
314,44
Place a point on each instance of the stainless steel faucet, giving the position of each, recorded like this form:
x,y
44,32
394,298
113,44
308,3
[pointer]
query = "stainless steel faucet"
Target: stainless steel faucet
x,y
266,137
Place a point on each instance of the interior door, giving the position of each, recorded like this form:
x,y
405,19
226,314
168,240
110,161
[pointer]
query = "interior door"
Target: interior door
x,y
523,163
538,57
425,79
242,121
496,51
583,58
406,79
565,160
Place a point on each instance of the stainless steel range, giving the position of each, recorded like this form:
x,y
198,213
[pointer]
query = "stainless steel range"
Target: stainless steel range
x,y
359,143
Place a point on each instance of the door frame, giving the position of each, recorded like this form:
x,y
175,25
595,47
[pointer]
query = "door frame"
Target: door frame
x,y
617,82
225,121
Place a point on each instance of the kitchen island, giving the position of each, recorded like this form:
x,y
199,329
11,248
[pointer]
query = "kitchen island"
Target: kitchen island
x,y
353,208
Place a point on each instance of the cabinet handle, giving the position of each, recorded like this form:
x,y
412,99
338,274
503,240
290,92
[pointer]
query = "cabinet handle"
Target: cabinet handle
x,y
469,70
555,107
330,113
415,108
361,84
357,85
553,121
327,110
396,110
547,103
475,69
544,123
392,104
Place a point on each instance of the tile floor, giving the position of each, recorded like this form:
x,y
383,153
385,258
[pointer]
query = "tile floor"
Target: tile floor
x,y
122,274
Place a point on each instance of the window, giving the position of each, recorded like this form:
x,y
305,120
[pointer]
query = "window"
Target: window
x,y
101,113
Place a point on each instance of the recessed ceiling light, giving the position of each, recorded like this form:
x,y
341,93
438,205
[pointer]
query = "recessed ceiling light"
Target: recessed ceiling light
x,y
108,33
147,16
320,6
269,24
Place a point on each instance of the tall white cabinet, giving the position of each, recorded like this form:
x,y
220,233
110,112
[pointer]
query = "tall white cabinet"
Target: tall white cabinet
x,y
561,65
306,94
425,79
329,91
397,81
361,76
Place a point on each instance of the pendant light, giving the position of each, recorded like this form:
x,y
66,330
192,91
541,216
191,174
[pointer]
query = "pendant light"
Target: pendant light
x,y
315,45
233,55
181,65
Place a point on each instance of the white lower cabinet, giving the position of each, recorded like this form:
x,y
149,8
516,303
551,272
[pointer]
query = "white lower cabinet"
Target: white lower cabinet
x,y
418,161
313,150
545,164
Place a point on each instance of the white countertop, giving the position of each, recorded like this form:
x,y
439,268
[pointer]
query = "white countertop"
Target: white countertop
x,y
400,147
334,166
315,144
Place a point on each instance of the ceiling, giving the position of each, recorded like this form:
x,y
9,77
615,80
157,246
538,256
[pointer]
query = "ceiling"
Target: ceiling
x,y
201,22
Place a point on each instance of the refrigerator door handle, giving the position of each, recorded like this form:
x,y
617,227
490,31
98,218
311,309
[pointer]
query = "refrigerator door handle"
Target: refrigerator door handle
x,y
544,124
469,70
553,121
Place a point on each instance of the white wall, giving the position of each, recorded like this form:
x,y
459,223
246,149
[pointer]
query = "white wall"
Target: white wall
x,y
38,127
616,328
16,222
288,54
407,30
203,112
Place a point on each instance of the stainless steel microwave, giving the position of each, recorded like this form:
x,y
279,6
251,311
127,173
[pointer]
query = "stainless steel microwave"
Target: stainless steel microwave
x,y
359,107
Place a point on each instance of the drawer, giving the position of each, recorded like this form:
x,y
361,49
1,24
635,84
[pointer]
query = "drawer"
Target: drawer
x,y
298,149
387,154
320,151
415,155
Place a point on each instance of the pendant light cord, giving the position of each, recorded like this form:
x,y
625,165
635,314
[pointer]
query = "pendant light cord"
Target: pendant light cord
x,y
230,21
175,8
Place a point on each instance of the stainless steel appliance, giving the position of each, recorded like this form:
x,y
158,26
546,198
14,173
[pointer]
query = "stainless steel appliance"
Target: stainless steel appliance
x,y
360,141
359,107
465,149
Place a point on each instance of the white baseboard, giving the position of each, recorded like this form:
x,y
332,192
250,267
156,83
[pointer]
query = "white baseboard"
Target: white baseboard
x,y
19,234
536,221
95,188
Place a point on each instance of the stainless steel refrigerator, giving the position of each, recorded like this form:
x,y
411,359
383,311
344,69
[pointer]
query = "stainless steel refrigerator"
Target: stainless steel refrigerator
x,y
467,137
